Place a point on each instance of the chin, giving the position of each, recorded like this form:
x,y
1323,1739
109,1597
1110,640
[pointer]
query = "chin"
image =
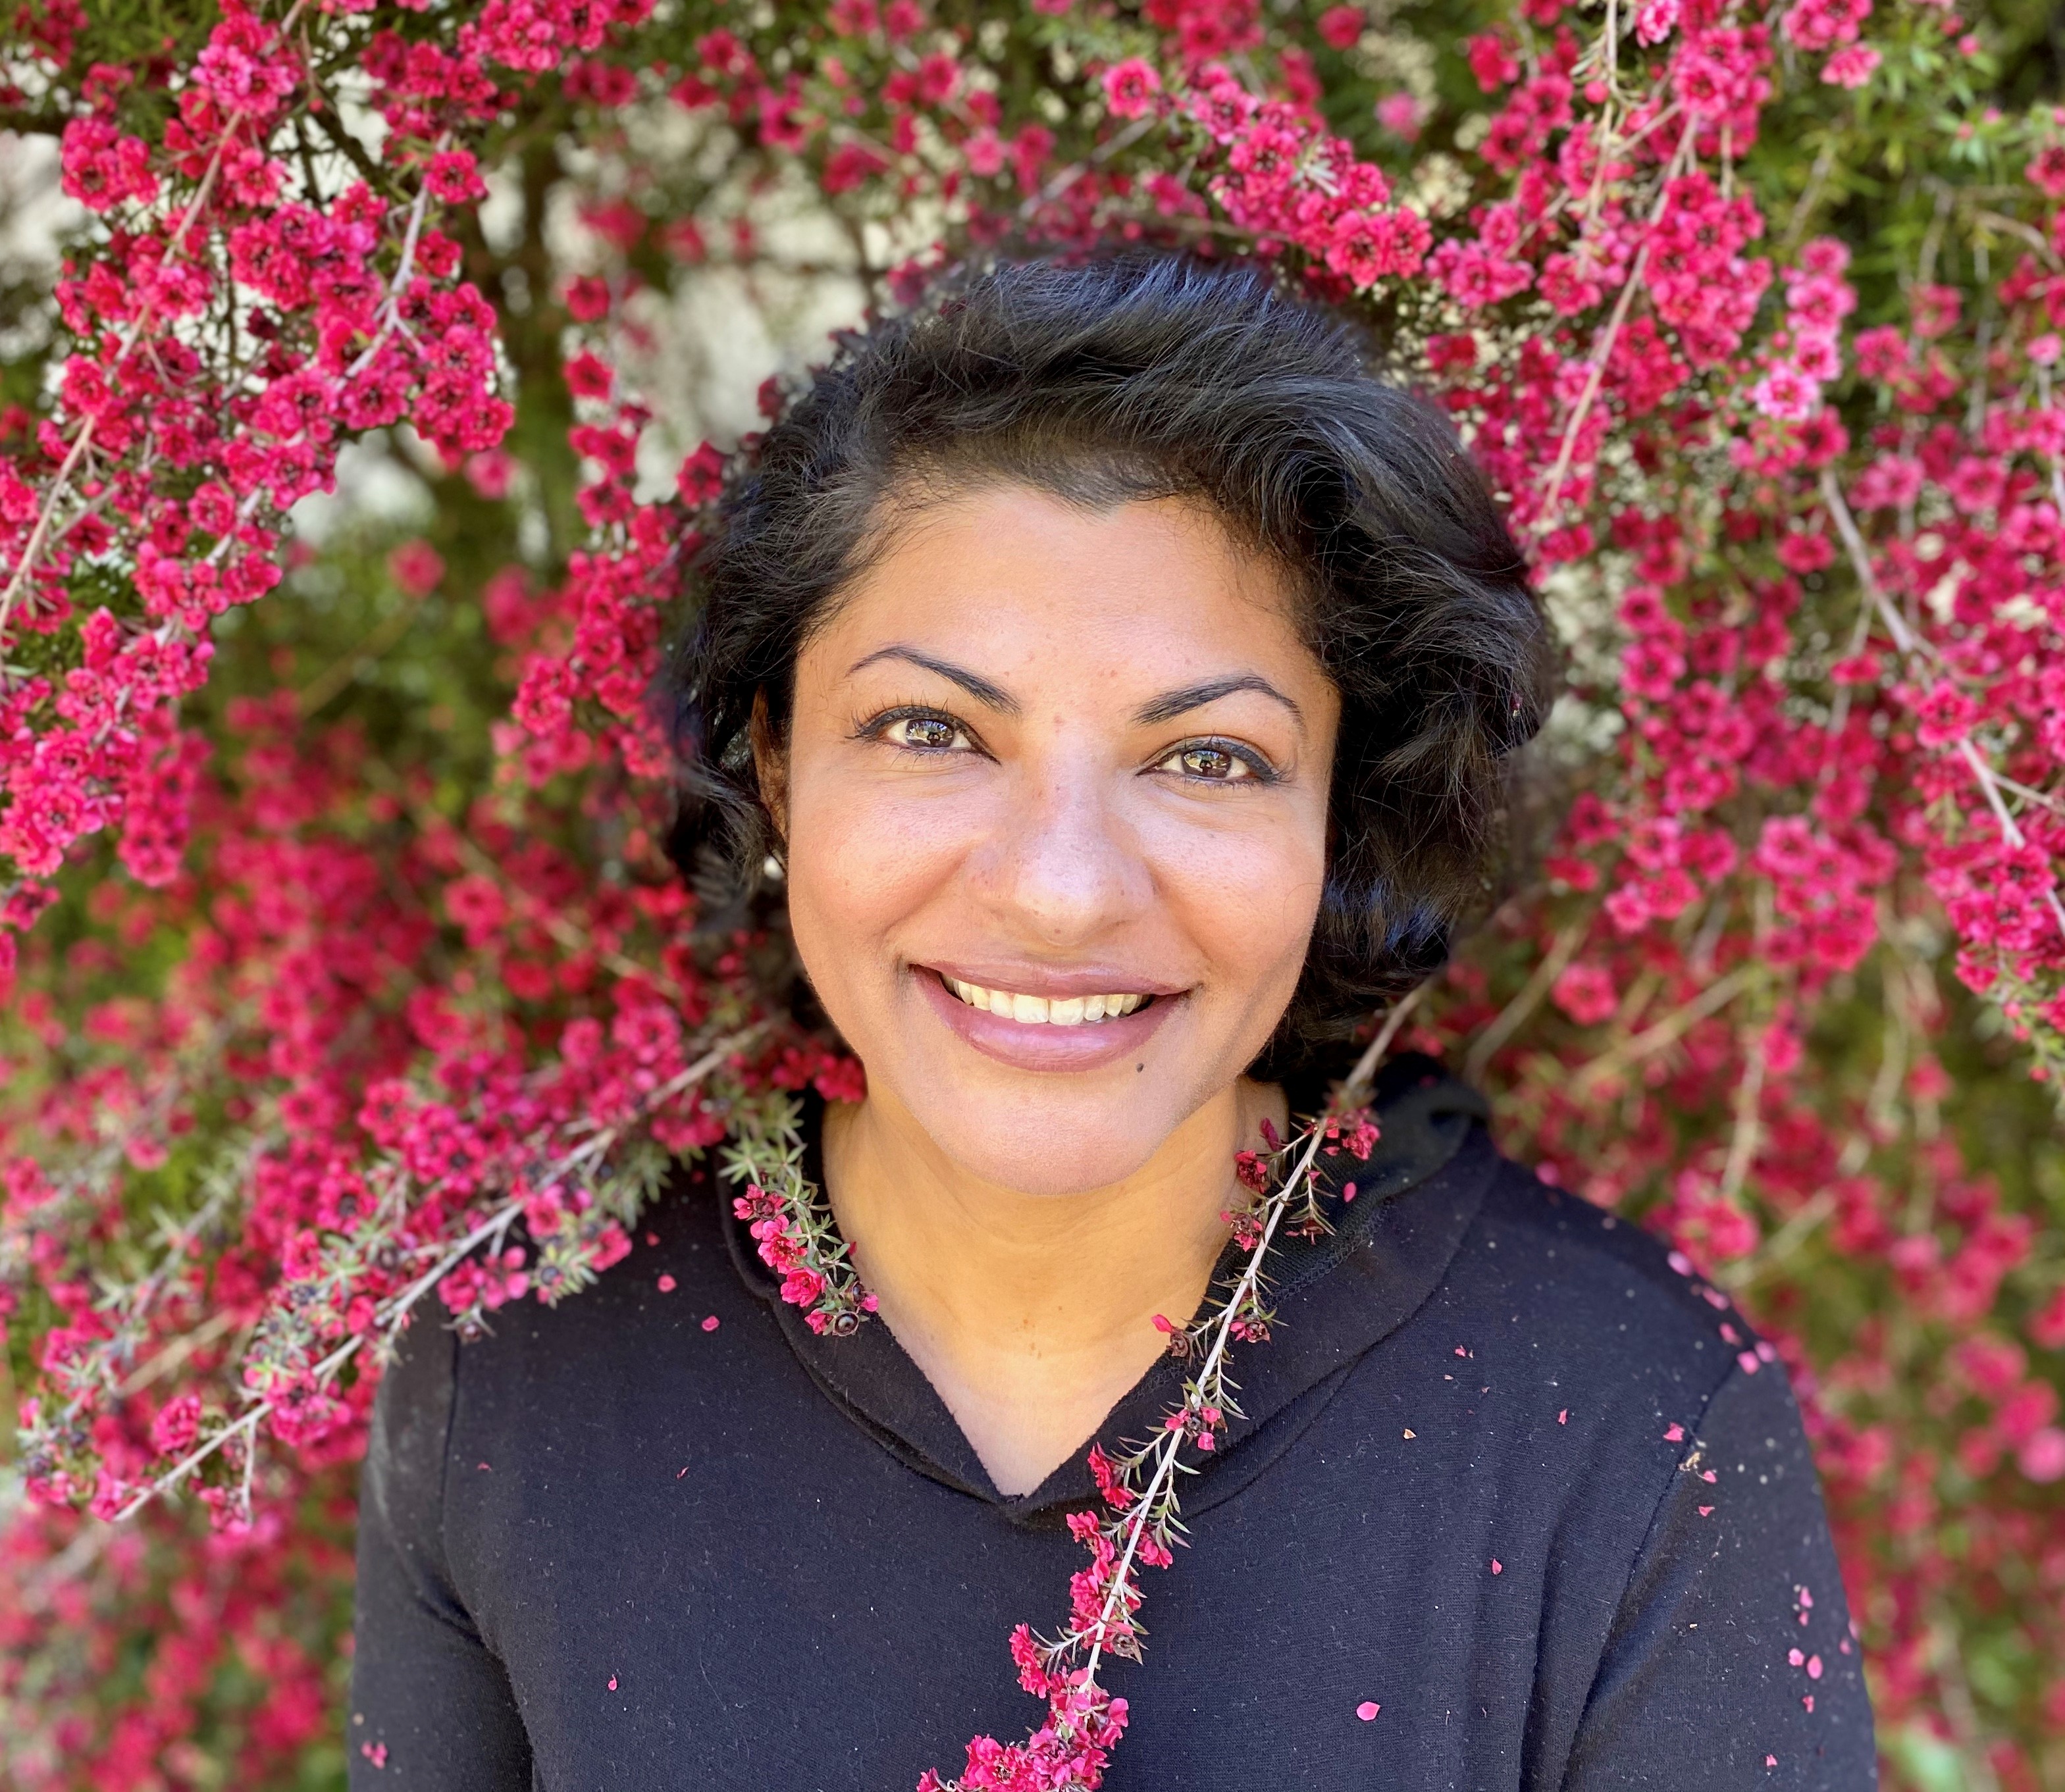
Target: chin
x,y
1046,1142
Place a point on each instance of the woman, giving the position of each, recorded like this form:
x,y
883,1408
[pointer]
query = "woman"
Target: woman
x,y
1122,680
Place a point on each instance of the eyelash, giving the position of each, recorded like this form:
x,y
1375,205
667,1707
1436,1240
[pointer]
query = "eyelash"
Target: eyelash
x,y
876,727
1258,769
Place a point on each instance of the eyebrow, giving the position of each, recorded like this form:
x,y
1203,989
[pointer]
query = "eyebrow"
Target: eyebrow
x,y
1165,708
976,686
1172,703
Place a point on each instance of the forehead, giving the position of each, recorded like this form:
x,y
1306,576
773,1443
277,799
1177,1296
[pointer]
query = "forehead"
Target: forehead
x,y
1016,579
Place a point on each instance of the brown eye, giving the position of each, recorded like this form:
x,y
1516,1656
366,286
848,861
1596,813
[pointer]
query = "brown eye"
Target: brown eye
x,y
924,734
1210,761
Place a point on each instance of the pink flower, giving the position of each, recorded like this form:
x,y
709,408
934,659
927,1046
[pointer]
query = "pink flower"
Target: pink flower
x,y
176,1425
588,376
1130,88
1851,67
1402,116
1342,27
102,168
1937,309
1654,20
453,176
985,152
1367,246
1491,59
2046,171
1787,393
2042,1456
1586,993
1946,714
1817,24
848,165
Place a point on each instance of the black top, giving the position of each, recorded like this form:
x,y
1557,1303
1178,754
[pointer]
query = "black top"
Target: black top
x,y
1515,1506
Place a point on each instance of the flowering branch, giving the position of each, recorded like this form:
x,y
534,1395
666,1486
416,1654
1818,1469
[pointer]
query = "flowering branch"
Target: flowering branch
x,y
1602,350
792,1223
385,1322
1085,1722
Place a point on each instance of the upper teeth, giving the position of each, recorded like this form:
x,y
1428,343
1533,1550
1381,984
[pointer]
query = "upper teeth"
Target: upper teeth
x,y
1038,1010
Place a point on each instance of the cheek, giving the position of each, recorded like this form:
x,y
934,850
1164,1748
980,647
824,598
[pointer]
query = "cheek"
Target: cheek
x,y
860,861
1247,893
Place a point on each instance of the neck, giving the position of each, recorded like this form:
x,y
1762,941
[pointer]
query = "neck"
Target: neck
x,y
1032,1314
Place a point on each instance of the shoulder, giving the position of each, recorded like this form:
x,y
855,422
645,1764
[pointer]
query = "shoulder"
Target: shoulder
x,y
1551,1281
650,1305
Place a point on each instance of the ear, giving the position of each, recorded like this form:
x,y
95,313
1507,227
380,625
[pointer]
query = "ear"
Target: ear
x,y
770,768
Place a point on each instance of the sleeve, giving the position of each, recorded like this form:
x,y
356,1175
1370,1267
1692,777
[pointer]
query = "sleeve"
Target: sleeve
x,y
430,1706
1731,1662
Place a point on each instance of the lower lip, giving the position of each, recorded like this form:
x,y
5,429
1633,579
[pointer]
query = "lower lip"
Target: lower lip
x,y
1090,1045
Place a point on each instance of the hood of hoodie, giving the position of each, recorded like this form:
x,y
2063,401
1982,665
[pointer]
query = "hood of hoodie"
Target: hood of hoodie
x,y
1334,1297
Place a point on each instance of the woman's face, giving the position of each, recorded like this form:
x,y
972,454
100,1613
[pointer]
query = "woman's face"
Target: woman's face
x,y
1055,805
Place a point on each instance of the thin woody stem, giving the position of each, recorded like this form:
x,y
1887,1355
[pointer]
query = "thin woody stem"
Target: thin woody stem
x,y
1164,1469
1747,1134
1604,351
1666,1032
1904,637
1103,153
1359,1079
2010,829
390,1315
1911,645
32,549
1514,1015
390,311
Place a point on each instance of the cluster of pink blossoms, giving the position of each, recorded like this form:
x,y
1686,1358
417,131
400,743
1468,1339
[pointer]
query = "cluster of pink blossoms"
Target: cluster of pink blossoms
x,y
149,462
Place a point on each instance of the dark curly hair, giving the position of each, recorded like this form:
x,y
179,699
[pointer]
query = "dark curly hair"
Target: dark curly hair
x,y
1149,376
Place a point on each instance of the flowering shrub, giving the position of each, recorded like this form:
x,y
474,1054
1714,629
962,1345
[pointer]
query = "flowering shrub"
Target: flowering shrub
x,y
348,984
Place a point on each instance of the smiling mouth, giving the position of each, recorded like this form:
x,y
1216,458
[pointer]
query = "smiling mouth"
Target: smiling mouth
x,y
1040,1011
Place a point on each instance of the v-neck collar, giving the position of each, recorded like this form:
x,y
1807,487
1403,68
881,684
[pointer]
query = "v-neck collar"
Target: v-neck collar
x,y
1335,1297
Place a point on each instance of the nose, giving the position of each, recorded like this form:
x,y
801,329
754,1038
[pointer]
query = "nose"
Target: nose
x,y
1067,866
